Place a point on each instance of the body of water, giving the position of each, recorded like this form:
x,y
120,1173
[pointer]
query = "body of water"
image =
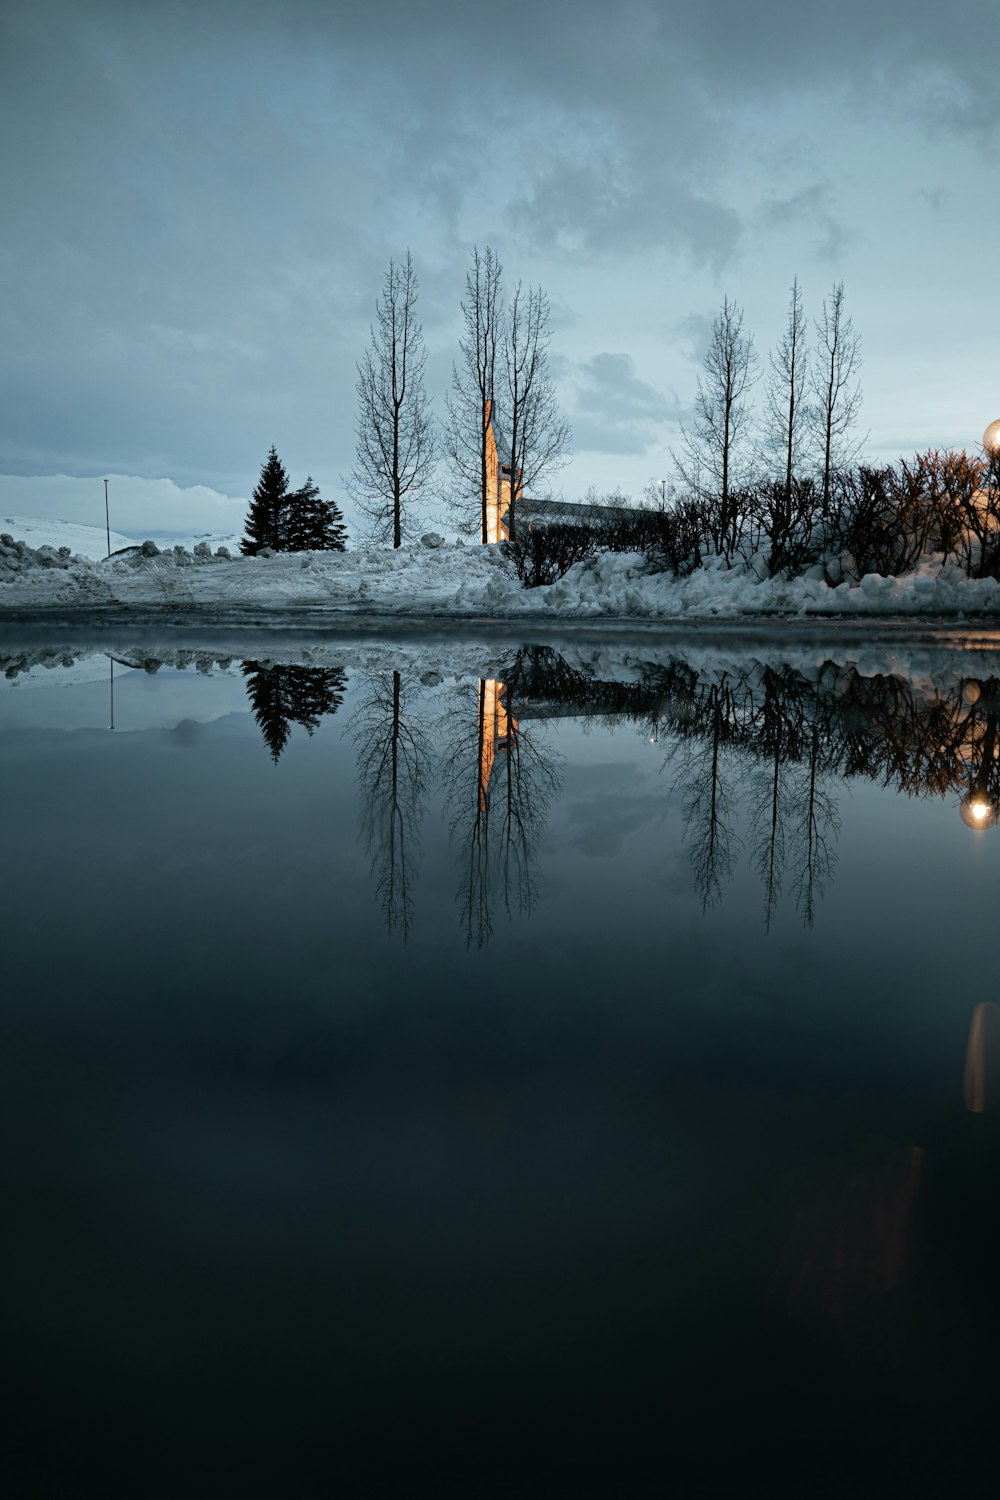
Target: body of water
x,y
546,1069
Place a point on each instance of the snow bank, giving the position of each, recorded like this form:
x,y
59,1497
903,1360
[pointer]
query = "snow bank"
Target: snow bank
x,y
455,581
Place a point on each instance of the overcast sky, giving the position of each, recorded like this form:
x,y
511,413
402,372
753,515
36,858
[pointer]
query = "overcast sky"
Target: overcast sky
x,y
200,200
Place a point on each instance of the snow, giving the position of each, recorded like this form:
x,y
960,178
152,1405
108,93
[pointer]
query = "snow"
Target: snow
x,y
85,541
430,579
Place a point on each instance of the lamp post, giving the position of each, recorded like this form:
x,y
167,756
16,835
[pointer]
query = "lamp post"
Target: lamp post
x,y
107,519
663,491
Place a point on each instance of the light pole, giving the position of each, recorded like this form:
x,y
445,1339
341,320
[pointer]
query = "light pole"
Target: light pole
x,y
663,492
107,519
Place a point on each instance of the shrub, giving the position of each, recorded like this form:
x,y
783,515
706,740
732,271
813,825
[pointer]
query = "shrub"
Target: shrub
x,y
784,520
540,555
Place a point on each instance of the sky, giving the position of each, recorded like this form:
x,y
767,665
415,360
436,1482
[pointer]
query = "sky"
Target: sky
x,y
200,202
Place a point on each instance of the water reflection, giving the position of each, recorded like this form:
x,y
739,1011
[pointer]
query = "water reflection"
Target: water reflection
x,y
283,694
981,1083
646,1168
753,754
394,757
499,781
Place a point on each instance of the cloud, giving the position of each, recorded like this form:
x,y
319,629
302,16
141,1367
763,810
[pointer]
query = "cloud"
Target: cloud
x,y
138,507
813,208
615,410
201,199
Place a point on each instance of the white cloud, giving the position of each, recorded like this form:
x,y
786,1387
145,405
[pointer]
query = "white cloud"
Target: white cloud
x,y
138,507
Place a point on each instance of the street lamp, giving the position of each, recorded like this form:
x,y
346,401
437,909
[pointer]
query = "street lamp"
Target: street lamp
x,y
663,491
991,438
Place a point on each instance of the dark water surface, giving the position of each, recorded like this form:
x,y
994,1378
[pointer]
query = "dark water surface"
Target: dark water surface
x,y
436,1070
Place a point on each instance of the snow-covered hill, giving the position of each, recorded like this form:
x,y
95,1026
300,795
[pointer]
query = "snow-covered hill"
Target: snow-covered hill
x,y
83,541
92,541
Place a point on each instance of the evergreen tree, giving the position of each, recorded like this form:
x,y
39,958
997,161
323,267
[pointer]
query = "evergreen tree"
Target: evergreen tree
x,y
313,524
266,517
269,702
285,694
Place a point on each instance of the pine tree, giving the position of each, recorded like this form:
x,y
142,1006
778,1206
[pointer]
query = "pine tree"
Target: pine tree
x,y
285,694
266,517
269,702
314,524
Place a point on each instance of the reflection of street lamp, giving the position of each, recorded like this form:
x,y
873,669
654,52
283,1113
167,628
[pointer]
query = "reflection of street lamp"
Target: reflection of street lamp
x,y
107,519
976,812
977,809
982,1057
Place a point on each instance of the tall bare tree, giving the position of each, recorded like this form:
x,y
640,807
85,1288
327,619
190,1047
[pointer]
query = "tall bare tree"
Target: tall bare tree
x,y
835,386
469,404
710,446
536,433
395,438
787,415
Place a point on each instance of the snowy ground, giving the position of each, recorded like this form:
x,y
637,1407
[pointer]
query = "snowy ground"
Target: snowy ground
x,y
450,581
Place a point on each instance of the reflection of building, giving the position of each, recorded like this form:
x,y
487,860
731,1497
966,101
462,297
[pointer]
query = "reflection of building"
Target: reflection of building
x,y
496,729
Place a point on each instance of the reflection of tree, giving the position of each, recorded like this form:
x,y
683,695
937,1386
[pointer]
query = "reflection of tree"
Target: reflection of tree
x,y
499,781
282,694
393,754
703,776
816,826
768,788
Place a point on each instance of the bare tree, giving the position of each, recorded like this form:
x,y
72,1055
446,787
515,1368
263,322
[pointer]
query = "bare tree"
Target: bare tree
x,y
469,404
536,432
393,756
786,413
395,439
709,448
836,388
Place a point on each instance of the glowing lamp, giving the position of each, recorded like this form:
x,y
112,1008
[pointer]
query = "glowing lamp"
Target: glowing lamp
x,y
976,812
991,437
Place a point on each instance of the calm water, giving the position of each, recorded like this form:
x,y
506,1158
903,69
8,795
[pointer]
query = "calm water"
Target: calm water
x,y
447,1070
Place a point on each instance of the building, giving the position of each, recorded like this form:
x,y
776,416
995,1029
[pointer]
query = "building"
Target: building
x,y
499,477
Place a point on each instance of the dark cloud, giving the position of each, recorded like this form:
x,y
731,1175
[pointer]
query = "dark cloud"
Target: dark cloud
x,y
815,210
200,199
616,411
